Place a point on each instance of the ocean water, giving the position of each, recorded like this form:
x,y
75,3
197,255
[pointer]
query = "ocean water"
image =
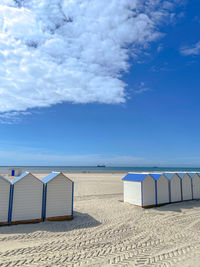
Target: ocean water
x,y
101,169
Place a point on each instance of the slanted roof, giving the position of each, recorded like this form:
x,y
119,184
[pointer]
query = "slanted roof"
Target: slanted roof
x,y
137,177
181,174
169,175
192,174
17,179
20,177
1,177
156,176
51,176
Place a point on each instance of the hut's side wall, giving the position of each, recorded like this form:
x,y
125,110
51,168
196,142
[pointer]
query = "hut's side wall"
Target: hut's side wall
x,y
196,187
59,197
148,191
186,187
18,172
132,192
4,200
27,199
162,190
175,188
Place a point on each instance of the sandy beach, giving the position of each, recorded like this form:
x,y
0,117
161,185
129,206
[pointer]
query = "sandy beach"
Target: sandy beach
x,y
105,231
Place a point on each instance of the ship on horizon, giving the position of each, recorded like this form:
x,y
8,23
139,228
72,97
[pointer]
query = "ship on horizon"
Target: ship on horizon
x,y
101,165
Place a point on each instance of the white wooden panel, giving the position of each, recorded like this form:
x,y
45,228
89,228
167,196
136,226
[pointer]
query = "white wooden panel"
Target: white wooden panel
x,y
148,190
175,188
196,186
59,197
4,200
162,190
132,192
27,199
186,187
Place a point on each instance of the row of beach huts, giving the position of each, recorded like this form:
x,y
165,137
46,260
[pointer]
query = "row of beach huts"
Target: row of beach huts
x,y
29,199
152,189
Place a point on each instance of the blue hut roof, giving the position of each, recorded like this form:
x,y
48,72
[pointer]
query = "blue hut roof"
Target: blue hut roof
x,y
5,179
137,177
19,177
169,175
156,176
50,176
192,174
181,174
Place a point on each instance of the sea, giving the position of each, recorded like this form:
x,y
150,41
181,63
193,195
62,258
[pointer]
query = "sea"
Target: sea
x,y
101,169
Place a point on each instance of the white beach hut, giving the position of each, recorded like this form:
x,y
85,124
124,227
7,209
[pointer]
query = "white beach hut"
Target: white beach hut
x,y
4,200
195,185
175,187
186,183
139,189
58,200
27,199
162,188
15,171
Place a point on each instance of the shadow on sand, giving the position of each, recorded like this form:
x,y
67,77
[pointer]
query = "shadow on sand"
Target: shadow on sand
x,y
80,220
179,206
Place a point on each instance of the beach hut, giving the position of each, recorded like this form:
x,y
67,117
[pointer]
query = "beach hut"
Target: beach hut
x,y
15,171
27,199
4,200
186,183
195,185
139,189
175,187
162,188
58,200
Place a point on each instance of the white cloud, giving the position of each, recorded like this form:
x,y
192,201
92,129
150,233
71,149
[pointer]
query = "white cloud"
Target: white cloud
x,y
12,117
53,51
141,89
193,50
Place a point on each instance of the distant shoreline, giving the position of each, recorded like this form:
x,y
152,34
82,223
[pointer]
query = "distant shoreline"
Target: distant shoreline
x,y
95,169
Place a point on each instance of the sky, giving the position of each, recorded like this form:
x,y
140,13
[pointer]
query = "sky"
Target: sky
x,y
96,82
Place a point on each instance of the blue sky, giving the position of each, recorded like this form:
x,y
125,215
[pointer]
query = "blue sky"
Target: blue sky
x,y
157,124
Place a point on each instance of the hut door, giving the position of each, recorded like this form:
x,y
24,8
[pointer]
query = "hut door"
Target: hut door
x,y
13,173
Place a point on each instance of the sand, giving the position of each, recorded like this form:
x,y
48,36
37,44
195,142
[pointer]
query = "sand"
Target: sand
x,y
105,231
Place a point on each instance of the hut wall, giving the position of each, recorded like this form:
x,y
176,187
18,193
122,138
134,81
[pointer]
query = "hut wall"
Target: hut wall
x,y
27,199
18,172
186,187
132,192
162,190
175,189
4,200
196,186
59,197
148,191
